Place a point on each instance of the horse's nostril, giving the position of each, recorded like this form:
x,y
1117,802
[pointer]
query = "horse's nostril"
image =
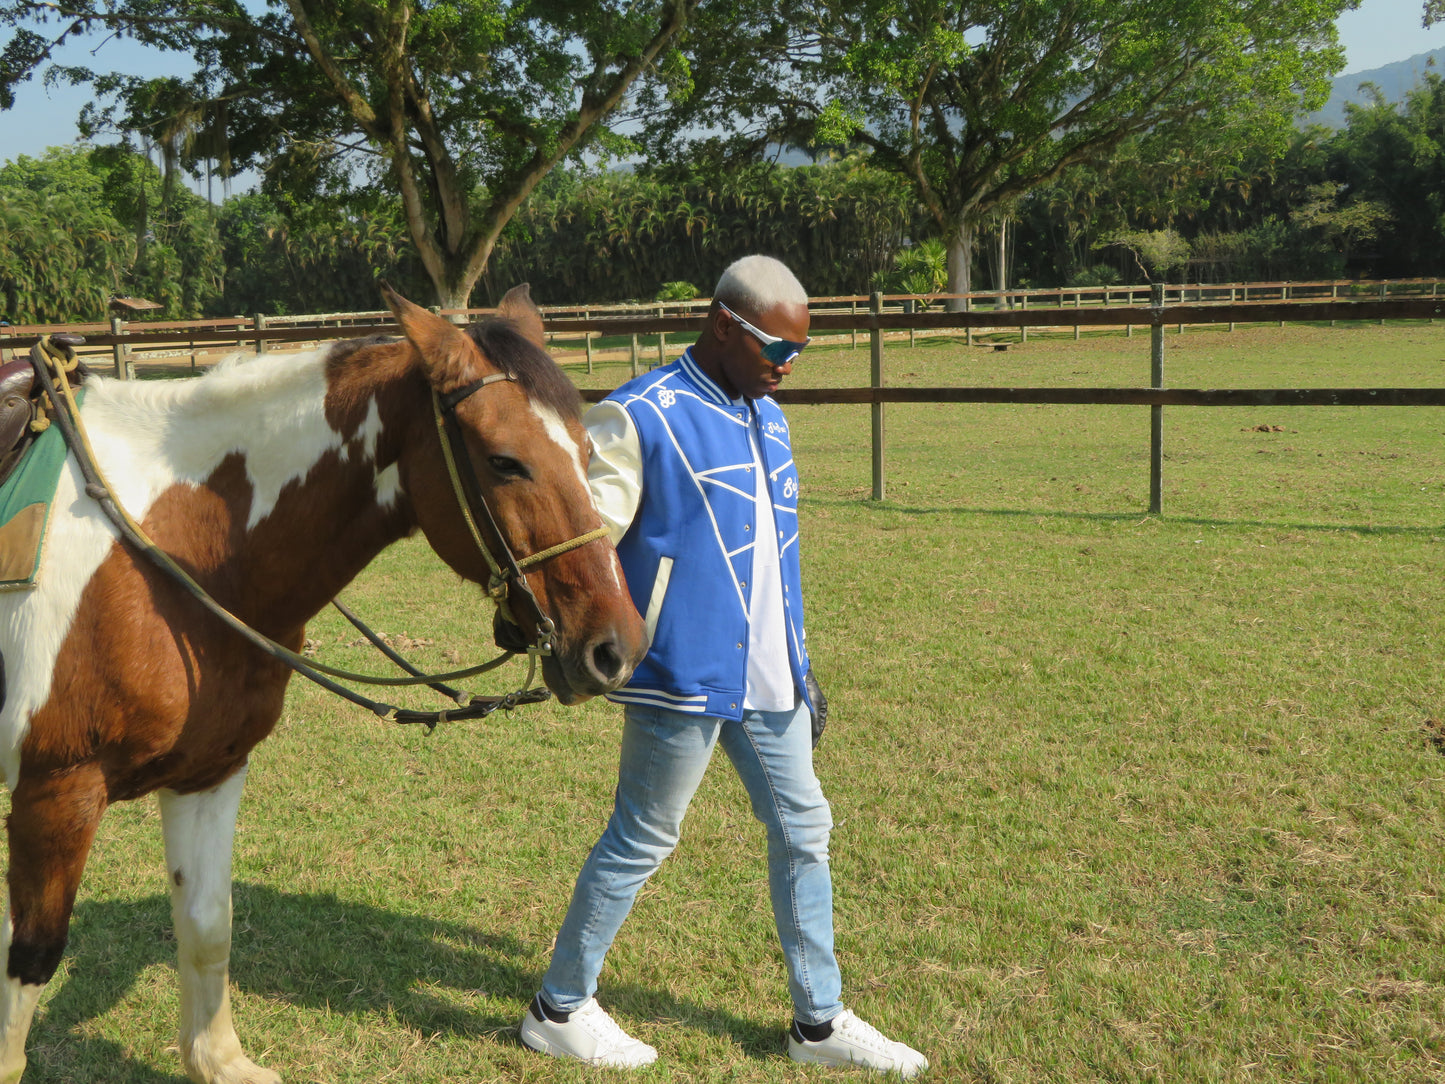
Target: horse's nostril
x,y
606,660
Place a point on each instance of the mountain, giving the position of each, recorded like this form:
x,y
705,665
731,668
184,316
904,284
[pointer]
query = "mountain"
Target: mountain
x,y
1394,81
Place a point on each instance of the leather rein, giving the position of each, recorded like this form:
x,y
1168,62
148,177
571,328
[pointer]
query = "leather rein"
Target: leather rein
x,y
508,582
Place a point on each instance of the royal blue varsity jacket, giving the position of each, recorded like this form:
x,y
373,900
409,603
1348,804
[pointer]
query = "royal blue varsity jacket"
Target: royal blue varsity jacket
x,y
688,553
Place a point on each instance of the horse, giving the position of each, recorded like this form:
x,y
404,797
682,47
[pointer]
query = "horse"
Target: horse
x,y
272,482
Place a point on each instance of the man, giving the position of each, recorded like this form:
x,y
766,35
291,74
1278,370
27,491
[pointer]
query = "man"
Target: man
x,y
693,471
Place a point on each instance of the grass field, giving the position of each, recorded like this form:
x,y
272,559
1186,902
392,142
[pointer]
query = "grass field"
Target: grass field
x,y
1118,797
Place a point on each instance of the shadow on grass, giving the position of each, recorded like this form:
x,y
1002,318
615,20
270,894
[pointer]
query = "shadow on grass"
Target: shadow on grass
x,y
321,952
1119,517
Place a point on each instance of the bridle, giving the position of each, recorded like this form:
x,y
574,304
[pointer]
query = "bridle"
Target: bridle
x,y
508,573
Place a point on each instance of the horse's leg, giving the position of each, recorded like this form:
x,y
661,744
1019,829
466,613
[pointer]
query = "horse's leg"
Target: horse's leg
x,y
199,830
52,824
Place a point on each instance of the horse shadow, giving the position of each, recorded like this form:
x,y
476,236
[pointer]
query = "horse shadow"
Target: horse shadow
x,y
319,951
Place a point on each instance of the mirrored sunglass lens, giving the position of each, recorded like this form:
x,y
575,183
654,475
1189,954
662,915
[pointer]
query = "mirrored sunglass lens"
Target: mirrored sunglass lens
x,y
782,351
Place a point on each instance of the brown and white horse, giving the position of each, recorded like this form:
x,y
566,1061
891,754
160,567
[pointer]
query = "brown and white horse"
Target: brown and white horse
x,y
273,482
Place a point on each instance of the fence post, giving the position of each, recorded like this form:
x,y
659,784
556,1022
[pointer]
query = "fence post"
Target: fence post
x,y
1078,301
259,321
876,336
634,353
854,310
1156,412
124,367
1024,328
968,331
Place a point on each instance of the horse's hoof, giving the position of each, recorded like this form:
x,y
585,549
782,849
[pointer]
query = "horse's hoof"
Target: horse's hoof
x,y
239,1070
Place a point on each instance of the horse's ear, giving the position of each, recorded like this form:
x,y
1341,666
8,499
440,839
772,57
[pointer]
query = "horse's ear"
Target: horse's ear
x,y
450,358
518,307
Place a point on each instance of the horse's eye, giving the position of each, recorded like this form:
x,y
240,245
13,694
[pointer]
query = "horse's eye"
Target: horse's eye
x,y
506,466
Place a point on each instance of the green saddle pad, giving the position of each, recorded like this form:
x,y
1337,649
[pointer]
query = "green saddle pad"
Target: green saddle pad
x,y
25,501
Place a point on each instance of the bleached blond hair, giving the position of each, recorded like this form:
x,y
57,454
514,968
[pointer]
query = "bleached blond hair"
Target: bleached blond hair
x,y
757,283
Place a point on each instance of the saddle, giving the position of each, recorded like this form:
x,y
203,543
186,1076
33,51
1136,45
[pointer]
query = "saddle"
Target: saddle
x,y
20,395
18,389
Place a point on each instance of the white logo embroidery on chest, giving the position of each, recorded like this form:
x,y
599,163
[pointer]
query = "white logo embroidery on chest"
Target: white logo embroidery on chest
x,y
666,397
790,487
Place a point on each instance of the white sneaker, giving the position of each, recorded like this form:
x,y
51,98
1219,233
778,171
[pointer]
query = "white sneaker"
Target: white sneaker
x,y
857,1045
588,1034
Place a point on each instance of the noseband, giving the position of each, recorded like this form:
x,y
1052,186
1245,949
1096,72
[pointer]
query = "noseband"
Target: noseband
x,y
508,572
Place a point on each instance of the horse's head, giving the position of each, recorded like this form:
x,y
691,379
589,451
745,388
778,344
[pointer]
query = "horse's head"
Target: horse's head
x,y
520,436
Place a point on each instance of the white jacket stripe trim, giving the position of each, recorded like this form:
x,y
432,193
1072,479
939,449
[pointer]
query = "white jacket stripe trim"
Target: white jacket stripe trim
x,y
696,705
702,379
697,481
659,592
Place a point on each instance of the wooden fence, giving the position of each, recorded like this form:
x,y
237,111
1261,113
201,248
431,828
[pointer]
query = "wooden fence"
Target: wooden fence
x,y
1156,317
840,315
192,338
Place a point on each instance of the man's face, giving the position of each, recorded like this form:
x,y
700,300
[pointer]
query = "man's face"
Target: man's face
x,y
745,369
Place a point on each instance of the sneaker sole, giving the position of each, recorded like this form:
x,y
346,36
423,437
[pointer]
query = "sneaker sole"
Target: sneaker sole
x,y
803,1056
542,1046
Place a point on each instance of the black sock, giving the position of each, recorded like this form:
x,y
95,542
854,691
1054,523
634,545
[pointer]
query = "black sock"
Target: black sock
x,y
541,1010
812,1033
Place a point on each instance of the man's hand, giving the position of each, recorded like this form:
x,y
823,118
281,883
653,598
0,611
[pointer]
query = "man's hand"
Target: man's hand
x,y
820,706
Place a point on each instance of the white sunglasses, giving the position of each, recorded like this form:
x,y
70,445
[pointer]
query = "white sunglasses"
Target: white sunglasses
x,y
777,351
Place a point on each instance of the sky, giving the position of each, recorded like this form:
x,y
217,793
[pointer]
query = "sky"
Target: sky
x,y
1376,33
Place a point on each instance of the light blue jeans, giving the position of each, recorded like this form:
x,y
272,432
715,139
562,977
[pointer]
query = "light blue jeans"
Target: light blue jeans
x,y
664,754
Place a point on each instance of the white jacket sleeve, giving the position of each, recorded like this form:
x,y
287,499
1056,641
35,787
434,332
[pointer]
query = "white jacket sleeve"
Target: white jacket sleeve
x,y
614,471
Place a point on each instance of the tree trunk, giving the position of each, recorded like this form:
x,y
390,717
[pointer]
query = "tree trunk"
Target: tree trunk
x,y
1002,277
454,295
450,280
960,265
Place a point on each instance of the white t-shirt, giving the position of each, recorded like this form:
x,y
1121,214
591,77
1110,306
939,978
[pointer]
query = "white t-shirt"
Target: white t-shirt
x,y
770,677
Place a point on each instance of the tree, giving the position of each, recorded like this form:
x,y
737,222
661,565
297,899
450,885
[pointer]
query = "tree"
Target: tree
x,y
1157,252
622,235
460,107
1393,156
979,102
321,255
80,225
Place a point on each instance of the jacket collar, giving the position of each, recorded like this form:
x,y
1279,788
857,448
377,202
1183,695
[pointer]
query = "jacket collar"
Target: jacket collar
x,y
709,387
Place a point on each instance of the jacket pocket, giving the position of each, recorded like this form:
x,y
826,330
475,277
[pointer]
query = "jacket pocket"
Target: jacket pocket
x,y
659,592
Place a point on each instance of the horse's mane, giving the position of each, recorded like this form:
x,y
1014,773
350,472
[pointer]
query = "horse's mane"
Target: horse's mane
x,y
510,351
529,365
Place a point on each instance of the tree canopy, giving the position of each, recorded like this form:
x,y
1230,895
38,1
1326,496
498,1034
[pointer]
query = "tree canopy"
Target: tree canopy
x,y
978,102
80,225
466,143
459,107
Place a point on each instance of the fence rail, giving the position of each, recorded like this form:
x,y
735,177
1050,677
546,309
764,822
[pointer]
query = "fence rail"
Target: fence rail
x,y
204,335
877,321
